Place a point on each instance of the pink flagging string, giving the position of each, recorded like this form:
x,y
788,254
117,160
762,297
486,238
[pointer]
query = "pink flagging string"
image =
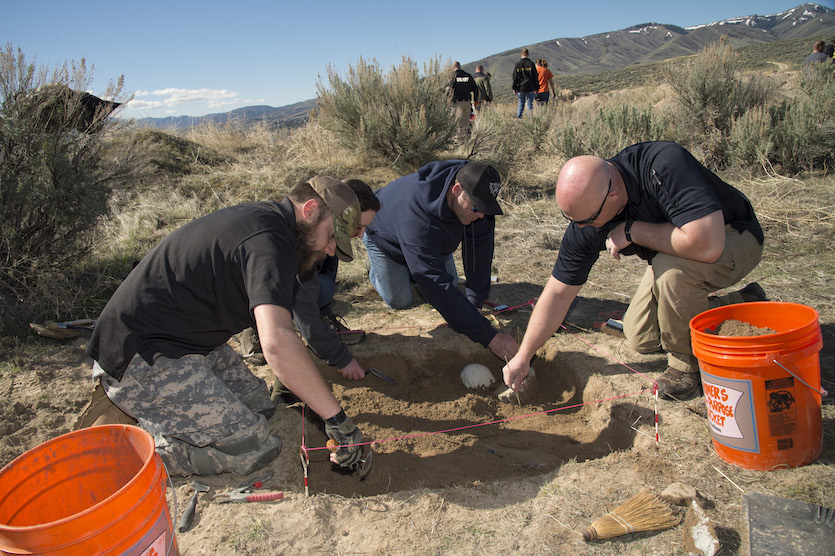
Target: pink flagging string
x,y
465,427
532,302
607,355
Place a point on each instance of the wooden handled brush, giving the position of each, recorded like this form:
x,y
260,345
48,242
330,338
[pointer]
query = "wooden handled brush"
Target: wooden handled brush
x,y
644,512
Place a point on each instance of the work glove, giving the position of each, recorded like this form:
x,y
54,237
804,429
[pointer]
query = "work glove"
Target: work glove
x,y
343,431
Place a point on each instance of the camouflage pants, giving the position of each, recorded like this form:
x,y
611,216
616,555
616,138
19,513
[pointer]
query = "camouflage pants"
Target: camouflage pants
x,y
207,413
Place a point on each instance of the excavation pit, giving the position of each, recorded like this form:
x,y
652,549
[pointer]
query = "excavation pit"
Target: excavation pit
x,y
431,431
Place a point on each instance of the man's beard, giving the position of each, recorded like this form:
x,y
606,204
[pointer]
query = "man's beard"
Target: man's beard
x,y
305,237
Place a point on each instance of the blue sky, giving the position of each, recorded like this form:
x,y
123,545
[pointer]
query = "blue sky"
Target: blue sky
x,y
194,58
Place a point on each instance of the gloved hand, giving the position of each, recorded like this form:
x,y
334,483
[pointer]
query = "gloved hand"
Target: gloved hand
x,y
342,430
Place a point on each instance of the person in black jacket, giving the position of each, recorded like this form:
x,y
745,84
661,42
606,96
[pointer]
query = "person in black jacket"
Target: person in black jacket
x,y
829,50
427,215
464,93
525,82
654,200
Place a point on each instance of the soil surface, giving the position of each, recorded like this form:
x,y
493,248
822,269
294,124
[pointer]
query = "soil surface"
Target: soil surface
x,y
455,471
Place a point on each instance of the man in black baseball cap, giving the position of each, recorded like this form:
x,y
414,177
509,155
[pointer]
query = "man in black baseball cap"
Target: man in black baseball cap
x,y
482,182
428,215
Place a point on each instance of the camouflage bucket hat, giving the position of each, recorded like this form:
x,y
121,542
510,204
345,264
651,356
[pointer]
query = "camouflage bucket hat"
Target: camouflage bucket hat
x,y
345,207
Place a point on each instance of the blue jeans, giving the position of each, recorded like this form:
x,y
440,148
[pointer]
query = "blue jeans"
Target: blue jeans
x,y
393,280
523,97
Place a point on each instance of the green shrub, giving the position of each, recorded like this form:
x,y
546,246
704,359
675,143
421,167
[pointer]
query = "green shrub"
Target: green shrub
x,y
402,116
801,140
793,135
53,188
607,131
750,141
493,139
712,95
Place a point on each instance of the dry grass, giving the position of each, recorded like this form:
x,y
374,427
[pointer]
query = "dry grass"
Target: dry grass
x,y
532,516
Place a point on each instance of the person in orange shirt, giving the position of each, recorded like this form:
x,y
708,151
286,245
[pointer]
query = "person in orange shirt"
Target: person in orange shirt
x,y
546,82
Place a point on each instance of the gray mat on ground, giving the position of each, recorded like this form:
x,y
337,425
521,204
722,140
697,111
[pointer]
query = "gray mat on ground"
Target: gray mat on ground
x,y
778,526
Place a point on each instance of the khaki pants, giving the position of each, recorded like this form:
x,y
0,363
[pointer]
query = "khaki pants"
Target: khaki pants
x,y
462,110
674,290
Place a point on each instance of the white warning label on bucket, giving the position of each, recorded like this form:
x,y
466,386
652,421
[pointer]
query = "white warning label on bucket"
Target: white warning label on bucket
x,y
722,404
157,548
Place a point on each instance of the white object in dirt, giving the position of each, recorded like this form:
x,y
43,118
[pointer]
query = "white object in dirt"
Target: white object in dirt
x,y
526,390
476,375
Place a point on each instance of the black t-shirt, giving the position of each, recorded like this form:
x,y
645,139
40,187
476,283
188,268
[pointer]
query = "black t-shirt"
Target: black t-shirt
x,y
198,286
463,85
664,183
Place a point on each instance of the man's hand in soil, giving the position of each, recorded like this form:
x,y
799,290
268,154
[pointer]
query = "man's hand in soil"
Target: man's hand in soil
x,y
344,432
353,370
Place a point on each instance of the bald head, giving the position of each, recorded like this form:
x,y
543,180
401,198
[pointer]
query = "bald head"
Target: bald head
x,y
582,186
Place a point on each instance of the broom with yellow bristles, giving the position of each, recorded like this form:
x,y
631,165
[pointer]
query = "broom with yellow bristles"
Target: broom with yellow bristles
x,y
644,512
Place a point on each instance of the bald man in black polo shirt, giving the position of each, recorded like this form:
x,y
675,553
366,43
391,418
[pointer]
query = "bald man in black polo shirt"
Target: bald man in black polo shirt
x,y
697,233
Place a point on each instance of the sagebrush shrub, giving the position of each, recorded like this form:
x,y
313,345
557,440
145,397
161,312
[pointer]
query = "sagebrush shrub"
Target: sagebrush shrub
x,y
53,185
399,116
606,131
712,95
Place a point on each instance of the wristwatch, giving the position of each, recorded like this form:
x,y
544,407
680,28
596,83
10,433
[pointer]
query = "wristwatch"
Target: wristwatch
x,y
626,230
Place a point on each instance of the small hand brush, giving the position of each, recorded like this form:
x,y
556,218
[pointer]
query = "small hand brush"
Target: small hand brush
x,y
644,512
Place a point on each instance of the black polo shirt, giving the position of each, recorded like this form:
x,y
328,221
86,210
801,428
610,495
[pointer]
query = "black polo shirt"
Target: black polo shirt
x,y
198,286
665,183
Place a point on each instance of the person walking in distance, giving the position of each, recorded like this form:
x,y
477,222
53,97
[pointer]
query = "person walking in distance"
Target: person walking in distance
x,y
525,82
485,90
546,82
464,93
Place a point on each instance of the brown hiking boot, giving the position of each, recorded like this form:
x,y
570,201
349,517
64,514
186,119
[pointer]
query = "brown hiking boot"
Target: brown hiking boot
x,y
101,411
753,292
346,335
678,385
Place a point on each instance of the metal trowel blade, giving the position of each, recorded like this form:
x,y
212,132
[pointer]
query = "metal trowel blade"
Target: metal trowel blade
x,y
365,466
380,374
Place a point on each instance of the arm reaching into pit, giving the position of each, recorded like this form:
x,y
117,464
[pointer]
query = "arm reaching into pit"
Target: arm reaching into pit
x,y
547,316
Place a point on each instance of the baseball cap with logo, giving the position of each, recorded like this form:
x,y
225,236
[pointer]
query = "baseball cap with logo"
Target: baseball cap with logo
x,y
345,207
482,182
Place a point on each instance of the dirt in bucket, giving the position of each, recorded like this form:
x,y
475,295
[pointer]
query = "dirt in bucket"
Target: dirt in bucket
x,y
732,327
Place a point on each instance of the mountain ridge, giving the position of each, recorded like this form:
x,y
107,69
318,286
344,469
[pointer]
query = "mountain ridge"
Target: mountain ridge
x,y
602,52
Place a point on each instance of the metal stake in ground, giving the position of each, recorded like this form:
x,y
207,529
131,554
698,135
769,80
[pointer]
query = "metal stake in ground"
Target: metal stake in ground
x,y
188,515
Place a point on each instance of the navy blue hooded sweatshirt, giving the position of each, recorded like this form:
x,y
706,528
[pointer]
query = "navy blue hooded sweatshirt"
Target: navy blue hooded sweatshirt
x,y
418,229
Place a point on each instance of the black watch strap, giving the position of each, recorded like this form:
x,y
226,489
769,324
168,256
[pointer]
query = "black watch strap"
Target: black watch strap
x,y
627,229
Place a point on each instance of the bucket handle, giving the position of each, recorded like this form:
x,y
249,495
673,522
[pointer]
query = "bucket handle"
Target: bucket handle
x,y
174,493
822,391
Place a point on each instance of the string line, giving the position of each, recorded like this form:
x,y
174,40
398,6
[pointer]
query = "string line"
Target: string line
x,y
474,425
465,427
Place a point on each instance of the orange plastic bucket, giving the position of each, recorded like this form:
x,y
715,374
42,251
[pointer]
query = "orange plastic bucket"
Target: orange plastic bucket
x,y
99,490
763,393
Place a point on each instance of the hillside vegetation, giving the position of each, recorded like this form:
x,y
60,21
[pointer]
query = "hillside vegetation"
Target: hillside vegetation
x,y
736,119
106,198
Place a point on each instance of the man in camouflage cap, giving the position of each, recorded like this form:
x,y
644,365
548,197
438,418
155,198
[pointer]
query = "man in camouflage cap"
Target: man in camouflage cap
x,y
160,348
